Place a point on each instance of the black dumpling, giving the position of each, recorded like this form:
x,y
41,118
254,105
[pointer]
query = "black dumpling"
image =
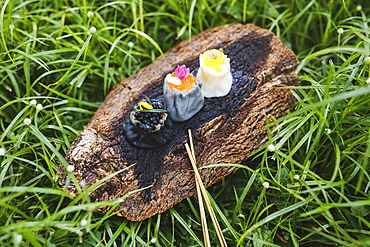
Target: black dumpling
x,y
146,129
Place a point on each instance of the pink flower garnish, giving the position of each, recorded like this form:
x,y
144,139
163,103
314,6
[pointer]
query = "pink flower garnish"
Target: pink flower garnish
x,y
182,72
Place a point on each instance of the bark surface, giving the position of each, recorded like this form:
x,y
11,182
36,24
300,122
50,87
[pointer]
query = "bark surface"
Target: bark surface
x,y
226,130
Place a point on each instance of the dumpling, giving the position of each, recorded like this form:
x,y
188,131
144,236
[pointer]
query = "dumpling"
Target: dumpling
x,y
214,73
182,94
148,125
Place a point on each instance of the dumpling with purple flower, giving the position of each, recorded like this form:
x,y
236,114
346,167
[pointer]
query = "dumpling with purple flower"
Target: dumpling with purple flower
x,y
182,94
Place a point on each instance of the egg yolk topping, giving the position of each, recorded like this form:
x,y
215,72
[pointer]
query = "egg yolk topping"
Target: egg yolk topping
x,y
214,59
186,83
145,106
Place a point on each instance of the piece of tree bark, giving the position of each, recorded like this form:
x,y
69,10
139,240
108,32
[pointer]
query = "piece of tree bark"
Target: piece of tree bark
x,y
226,130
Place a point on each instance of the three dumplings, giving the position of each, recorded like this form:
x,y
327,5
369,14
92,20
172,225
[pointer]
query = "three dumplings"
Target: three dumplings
x,y
150,123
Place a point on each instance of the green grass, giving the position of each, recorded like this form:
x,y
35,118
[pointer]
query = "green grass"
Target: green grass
x,y
318,176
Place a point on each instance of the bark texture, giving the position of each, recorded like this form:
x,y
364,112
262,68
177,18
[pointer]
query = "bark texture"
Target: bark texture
x,y
225,130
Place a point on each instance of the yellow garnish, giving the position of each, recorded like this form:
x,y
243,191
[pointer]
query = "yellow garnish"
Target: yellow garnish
x,y
214,58
145,106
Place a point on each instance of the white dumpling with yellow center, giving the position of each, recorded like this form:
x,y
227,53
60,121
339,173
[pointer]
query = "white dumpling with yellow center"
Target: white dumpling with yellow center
x,y
214,73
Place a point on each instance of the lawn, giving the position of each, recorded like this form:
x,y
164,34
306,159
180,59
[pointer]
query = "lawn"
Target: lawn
x,y
59,59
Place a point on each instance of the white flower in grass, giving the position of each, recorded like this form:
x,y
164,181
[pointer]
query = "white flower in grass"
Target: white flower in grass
x,y
70,168
39,107
2,151
83,223
33,102
367,60
117,200
271,148
328,131
11,27
130,44
83,183
27,121
296,176
368,81
17,239
359,7
90,14
92,29
153,240
266,185
225,230
340,30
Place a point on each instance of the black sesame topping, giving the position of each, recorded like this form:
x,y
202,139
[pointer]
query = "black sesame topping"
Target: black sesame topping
x,y
149,120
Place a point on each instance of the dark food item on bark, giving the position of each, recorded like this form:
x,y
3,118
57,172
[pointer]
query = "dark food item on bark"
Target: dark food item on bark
x,y
226,130
146,127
